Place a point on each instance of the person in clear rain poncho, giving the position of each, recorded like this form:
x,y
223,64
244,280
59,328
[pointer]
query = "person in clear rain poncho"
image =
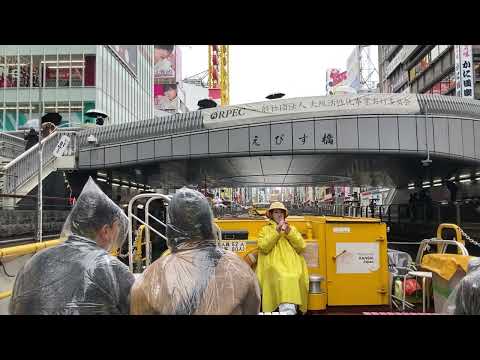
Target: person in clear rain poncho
x,y
465,298
79,276
195,276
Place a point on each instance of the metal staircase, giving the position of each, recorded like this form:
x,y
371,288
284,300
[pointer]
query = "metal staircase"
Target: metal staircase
x,y
20,176
10,147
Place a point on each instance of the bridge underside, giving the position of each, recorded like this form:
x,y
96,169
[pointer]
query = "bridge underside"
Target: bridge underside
x,y
299,170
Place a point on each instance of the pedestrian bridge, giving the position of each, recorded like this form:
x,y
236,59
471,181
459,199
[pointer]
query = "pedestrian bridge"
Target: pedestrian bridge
x,y
376,139
298,141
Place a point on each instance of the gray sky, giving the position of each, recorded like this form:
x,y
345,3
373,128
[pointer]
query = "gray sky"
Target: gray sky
x,y
259,70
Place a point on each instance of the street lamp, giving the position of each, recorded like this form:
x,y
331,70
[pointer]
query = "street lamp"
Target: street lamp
x,y
275,96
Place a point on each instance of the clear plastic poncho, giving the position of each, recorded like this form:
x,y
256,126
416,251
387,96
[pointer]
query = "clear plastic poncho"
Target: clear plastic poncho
x,y
79,276
91,212
398,261
195,277
465,298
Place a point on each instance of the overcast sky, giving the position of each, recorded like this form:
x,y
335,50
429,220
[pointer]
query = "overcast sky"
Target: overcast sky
x,y
256,71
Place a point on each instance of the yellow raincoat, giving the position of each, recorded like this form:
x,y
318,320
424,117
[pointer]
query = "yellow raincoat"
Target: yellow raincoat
x,y
282,272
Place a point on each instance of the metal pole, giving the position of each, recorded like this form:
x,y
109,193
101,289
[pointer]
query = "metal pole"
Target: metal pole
x,y
40,158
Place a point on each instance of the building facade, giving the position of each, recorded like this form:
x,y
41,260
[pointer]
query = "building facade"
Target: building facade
x,y
424,69
117,79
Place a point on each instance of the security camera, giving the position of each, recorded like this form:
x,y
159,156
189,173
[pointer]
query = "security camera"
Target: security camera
x,y
426,162
91,139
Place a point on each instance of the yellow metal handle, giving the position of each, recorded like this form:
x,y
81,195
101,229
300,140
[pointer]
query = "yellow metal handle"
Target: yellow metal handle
x,y
458,235
5,294
27,249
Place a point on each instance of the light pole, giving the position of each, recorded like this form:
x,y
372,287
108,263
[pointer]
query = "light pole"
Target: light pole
x,y
40,156
56,118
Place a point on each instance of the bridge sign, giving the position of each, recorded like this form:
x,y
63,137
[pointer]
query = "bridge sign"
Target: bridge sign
x,y
61,146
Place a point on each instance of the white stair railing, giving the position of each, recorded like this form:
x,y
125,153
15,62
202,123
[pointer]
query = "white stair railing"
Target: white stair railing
x,y
10,146
7,138
20,170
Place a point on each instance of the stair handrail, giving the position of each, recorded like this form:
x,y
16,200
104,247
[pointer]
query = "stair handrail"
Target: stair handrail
x,y
22,168
12,139
11,146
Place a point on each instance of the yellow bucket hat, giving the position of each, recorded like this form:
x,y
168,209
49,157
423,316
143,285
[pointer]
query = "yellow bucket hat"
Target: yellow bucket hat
x,y
276,205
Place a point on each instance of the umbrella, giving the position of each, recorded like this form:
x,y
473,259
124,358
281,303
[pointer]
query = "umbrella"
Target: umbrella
x,y
53,117
32,123
275,96
95,113
206,103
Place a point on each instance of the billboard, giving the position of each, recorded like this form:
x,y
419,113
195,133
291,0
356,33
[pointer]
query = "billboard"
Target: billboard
x,y
167,64
464,71
128,55
334,77
168,97
167,73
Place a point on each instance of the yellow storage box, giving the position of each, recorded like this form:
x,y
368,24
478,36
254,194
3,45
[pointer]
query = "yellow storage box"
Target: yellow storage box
x,y
348,254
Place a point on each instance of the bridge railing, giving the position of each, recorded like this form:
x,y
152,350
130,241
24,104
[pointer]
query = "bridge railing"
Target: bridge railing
x,y
440,104
22,168
424,213
143,129
340,210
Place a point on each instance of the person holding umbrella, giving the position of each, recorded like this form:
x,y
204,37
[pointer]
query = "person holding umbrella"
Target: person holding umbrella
x,y
32,139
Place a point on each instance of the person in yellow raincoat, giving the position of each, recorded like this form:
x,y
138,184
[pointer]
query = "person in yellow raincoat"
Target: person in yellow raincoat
x,y
282,271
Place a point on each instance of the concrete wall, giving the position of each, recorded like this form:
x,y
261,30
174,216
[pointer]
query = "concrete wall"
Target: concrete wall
x,y
24,222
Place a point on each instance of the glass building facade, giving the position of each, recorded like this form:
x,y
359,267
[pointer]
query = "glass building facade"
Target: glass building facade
x,y
117,79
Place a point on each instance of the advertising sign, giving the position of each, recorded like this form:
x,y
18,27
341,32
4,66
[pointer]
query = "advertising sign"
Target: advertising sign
x,y
167,91
61,146
166,97
165,64
128,55
325,105
357,258
334,77
464,71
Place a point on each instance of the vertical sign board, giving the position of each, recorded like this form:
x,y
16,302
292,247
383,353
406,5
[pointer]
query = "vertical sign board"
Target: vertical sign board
x,y
464,71
458,82
61,146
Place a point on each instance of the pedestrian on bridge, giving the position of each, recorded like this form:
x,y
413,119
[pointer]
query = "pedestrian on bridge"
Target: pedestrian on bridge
x,y
79,276
281,270
32,139
195,276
